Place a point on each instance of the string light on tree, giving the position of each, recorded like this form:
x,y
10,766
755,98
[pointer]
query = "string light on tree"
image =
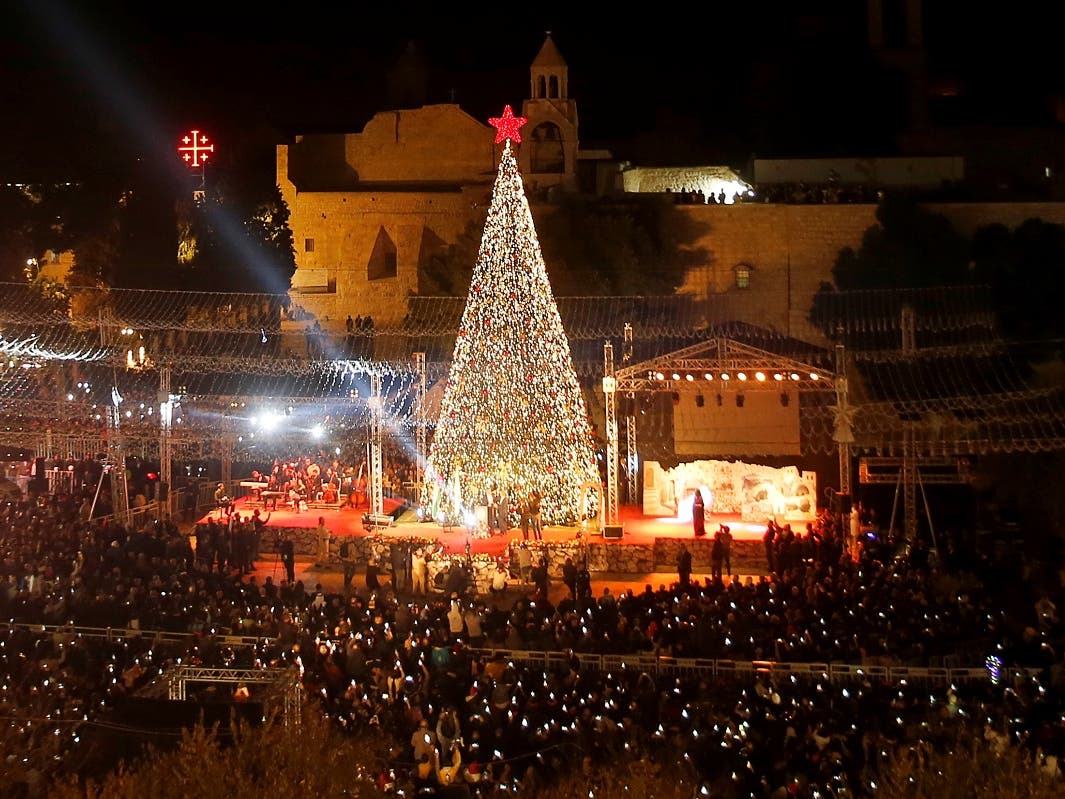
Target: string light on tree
x,y
512,414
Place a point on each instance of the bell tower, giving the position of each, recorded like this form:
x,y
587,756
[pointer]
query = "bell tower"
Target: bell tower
x,y
548,154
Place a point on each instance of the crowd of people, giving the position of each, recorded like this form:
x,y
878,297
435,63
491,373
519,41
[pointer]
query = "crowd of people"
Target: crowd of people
x,y
419,668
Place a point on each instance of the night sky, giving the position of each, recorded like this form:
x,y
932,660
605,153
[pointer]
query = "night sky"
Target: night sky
x,y
714,86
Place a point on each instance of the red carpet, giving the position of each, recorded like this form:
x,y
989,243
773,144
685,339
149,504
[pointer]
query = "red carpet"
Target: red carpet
x,y
638,529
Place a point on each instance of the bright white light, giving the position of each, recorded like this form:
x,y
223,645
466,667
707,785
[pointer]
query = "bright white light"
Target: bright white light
x,y
814,376
659,376
269,421
689,377
708,376
337,450
316,432
759,376
794,376
742,375
470,520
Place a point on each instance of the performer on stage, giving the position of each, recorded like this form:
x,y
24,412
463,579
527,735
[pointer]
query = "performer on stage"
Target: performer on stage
x,y
698,514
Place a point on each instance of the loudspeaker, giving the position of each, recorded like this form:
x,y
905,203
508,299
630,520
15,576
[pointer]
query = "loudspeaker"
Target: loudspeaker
x,y
613,530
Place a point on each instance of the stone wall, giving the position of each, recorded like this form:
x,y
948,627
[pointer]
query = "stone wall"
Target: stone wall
x,y
790,249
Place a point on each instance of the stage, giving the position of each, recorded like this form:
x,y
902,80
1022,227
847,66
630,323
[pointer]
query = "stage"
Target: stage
x,y
646,541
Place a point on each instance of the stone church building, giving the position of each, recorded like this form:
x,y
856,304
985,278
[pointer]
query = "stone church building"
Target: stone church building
x,y
369,209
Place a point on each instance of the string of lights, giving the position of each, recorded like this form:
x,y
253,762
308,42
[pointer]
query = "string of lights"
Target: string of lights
x,y
513,417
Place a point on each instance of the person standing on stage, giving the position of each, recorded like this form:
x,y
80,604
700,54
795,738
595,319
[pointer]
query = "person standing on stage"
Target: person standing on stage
x,y
534,514
525,519
503,512
698,514
491,502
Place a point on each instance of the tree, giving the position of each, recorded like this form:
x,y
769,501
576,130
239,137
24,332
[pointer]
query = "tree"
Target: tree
x,y
593,247
237,238
1026,269
16,233
447,272
909,247
272,755
976,767
617,248
512,413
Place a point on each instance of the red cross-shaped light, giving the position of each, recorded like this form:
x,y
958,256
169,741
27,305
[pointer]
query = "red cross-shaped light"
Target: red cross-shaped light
x,y
507,126
194,148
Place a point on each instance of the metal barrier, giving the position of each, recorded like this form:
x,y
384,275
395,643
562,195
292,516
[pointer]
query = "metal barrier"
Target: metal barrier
x,y
630,663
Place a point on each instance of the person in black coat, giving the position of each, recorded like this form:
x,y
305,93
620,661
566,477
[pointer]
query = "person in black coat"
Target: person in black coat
x,y
684,566
288,559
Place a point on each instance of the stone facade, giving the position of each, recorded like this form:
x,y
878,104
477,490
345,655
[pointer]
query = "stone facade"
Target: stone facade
x,y
790,249
368,209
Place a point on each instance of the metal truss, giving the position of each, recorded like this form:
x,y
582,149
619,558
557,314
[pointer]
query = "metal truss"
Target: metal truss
x,y
688,370
286,682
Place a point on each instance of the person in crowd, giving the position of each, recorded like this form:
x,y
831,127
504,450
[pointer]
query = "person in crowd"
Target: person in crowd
x,y
717,554
322,537
288,558
348,561
373,582
419,572
525,562
569,577
684,566
499,580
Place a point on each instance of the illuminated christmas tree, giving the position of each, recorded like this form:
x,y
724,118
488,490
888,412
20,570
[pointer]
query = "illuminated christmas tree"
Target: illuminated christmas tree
x,y
512,418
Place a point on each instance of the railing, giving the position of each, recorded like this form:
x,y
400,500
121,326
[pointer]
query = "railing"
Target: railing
x,y
138,517
552,660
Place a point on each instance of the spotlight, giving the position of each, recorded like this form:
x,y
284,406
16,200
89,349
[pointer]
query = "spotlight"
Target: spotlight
x,y
676,376
794,376
724,375
316,432
739,400
784,399
689,377
708,376
759,376
659,376
814,376
778,376
742,376
699,401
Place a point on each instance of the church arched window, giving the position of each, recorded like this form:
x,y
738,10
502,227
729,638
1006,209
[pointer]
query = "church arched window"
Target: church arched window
x,y
547,154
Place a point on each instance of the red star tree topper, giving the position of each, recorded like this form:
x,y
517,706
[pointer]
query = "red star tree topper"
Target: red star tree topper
x,y
508,126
